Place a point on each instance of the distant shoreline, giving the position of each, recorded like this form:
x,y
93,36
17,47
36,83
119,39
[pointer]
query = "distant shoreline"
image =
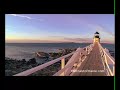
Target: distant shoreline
x,y
55,43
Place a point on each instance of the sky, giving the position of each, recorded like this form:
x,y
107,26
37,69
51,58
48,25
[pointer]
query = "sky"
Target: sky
x,y
55,28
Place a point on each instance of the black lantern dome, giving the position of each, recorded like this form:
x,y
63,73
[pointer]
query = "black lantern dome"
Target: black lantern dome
x,y
96,32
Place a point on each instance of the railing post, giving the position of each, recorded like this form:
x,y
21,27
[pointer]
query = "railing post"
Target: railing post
x,y
86,49
105,60
80,57
62,66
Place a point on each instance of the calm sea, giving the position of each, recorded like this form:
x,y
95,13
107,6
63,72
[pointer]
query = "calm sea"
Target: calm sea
x,y
26,50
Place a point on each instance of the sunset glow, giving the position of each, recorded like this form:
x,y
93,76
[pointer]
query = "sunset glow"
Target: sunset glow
x,y
50,28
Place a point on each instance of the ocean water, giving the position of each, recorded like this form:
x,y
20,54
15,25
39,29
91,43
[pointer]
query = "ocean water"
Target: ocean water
x,y
27,50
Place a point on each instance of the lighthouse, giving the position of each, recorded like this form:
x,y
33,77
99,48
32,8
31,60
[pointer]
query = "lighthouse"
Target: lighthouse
x,y
96,37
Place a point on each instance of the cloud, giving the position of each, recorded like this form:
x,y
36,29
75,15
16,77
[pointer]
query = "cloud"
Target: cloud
x,y
23,16
99,28
91,24
79,39
56,36
73,39
86,40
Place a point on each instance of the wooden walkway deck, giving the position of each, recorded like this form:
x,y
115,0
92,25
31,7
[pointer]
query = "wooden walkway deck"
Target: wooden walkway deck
x,y
92,66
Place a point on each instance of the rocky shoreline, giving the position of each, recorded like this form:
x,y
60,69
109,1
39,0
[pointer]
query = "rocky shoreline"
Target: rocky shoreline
x,y
13,66
16,66
112,53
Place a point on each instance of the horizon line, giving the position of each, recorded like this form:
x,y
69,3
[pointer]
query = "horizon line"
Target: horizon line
x,y
56,42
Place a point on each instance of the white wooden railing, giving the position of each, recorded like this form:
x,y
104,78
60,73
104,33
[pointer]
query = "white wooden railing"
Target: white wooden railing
x,y
107,60
77,58
65,69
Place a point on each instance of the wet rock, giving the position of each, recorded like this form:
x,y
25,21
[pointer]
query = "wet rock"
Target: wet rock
x,y
8,73
23,61
32,61
112,53
42,55
18,66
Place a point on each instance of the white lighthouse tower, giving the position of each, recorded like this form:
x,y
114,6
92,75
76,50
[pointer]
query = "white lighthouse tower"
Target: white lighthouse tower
x,y
96,37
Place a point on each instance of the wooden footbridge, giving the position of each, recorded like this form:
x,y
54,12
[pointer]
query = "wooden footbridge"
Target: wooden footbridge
x,y
92,60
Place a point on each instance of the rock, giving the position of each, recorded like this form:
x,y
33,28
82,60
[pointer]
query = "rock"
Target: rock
x,y
14,72
112,53
17,66
7,70
23,61
42,55
13,66
8,73
34,65
32,61
30,66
